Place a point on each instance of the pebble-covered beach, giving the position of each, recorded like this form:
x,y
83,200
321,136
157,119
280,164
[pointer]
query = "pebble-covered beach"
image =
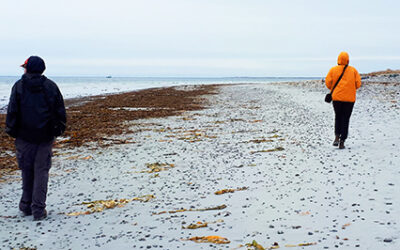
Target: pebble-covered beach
x,y
254,168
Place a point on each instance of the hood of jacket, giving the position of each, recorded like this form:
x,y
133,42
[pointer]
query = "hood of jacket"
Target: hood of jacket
x,y
35,65
343,58
33,82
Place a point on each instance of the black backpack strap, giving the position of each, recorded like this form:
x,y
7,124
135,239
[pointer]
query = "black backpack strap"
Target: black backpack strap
x,y
339,79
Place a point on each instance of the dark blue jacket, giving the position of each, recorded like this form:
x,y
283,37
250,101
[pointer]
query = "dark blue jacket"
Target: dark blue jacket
x,y
35,102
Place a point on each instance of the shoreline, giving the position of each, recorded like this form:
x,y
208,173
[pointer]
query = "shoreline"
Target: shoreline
x,y
94,118
75,87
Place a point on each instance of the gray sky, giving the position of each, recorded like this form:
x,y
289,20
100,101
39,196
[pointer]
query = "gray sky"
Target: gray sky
x,y
198,37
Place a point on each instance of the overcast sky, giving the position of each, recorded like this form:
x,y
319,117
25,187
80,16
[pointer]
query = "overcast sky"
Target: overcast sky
x,y
198,37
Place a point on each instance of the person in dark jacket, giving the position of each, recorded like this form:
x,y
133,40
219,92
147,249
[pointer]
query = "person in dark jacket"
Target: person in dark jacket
x,y
35,116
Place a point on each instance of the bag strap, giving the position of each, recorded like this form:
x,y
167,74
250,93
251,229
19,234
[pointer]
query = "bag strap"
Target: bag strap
x,y
47,99
339,79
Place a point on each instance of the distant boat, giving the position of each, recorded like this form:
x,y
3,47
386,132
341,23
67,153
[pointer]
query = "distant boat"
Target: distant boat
x,y
108,76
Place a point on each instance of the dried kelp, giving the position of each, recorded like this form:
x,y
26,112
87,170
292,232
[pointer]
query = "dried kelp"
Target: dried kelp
x,y
224,191
99,118
101,205
200,224
195,136
301,244
258,141
192,210
210,239
255,246
79,157
346,225
268,150
157,167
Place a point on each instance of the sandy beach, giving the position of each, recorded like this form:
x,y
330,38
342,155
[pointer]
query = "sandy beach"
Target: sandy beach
x,y
248,163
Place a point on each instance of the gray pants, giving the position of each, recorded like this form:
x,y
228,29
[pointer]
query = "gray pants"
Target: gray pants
x,y
34,160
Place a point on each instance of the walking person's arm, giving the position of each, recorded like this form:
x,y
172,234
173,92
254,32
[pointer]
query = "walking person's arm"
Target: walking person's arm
x,y
358,79
329,80
60,109
12,113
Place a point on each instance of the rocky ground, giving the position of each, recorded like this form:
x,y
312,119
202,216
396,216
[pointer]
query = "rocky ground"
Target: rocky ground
x,y
256,165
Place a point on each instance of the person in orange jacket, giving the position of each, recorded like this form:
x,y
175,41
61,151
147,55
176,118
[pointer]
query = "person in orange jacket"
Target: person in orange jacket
x,y
343,96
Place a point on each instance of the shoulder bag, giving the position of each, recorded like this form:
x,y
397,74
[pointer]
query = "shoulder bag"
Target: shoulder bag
x,y
328,97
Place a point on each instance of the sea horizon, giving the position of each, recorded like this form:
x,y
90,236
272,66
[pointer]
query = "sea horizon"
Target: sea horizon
x,y
80,86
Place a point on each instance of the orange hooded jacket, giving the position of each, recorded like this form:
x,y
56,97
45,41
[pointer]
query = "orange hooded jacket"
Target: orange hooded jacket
x,y
345,91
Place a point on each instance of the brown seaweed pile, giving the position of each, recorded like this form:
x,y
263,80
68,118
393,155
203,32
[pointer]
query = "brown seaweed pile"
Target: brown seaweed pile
x,y
99,118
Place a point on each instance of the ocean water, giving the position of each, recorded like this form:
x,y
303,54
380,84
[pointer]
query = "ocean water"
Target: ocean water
x,y
72,87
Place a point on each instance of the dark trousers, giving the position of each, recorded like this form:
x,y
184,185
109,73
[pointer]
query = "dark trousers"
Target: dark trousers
x,y
34,160
342,118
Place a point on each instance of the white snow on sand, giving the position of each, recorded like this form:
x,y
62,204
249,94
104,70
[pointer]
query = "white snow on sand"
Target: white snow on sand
x,y
310,192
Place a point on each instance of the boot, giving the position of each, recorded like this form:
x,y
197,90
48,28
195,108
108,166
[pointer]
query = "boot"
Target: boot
x,y
336,141
44,216
341,144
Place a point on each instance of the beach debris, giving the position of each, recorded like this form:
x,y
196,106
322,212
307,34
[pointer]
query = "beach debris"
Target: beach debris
x,y
161,130
258,141
169,154
193,135
165,140
200,224
254,245
157,167
219,122
237,120
224,191
155,175
117,141
210,239
274,246
301,244
70,170
8,216
275,136
192,210
79,157
188,118
101,205
346,225
268,150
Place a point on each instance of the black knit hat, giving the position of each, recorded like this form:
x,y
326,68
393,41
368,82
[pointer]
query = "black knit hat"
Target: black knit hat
x,y
34,64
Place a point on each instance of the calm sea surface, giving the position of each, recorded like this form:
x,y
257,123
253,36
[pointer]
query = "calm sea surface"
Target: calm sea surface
x,y
85,86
